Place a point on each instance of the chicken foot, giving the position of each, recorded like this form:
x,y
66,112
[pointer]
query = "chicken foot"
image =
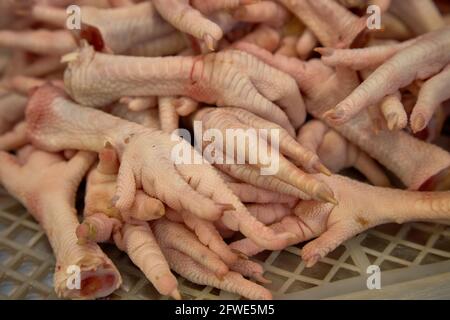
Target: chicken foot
x,y
46,185
54,123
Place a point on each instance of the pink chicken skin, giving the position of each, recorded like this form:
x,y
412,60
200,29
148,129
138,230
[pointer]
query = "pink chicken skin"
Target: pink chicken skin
x,y
324,88
12,106
128,229
333,225
263,36
189,258
46,185
425,58
188,16
99,29
266,12
45,42
225,118
131,233
229,78
101,219
331,23
420,16
338,153
207,131
12,112
55,123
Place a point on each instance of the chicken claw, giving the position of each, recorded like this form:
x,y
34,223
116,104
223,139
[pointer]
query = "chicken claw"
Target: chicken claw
x,y
46,185
142,248
101,218
178,253
14,139
324,87
239,119
206,233
424,58
228,78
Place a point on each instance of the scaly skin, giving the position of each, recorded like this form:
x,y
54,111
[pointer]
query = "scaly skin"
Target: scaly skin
x,y
177,236
264,37
421,16
338,153
167,45
120,29
142,248
6,13
206,233
49,14
46,185
121,3
141,104
331,23
426,57
324,88
234,118
266,12
252,176
145,23
432,94
230,78
178,244
334,225
305,44
394,112
15,138
12,107
393,28
168,116
209,6
384,5
55,123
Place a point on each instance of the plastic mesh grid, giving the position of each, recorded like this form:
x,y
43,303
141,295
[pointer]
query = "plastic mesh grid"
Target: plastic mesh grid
x,y
26,262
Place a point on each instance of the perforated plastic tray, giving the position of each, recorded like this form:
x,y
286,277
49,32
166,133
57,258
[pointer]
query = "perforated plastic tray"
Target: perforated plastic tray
x,y
414,260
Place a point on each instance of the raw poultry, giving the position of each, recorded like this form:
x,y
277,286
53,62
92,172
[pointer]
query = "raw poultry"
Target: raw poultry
x,y
306,84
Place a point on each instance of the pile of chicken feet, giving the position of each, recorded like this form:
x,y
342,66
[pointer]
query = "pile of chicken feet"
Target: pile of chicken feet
x,y
98,105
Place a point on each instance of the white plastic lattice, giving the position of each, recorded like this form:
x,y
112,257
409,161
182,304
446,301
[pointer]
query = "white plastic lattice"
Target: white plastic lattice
x,y
405,253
